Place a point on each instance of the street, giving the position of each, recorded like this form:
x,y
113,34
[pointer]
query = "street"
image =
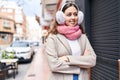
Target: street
x,y
36,70
22,70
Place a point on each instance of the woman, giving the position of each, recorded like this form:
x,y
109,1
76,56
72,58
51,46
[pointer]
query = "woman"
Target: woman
x,y
68,50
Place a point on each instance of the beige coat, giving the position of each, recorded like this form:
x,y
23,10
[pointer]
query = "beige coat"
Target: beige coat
x,y
57,46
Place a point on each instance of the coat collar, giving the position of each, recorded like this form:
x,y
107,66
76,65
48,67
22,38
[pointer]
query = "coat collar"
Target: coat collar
x,y
81,44
64,41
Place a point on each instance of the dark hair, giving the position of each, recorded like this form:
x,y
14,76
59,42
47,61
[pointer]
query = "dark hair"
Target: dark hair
x,y
69,4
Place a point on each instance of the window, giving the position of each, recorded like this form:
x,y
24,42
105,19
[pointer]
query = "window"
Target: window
x,y
6,24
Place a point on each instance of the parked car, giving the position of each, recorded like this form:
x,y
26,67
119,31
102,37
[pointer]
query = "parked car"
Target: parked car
x,y
35,45
23,50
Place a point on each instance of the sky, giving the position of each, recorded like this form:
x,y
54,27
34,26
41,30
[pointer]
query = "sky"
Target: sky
x,y
30,7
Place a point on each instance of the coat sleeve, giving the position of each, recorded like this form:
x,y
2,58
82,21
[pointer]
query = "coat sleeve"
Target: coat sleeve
x,y
82,61
55,64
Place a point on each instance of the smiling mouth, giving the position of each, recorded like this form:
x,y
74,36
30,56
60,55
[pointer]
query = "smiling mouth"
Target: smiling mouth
x,y
72,22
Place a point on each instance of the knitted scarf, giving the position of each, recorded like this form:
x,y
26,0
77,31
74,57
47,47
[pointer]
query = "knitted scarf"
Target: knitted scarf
x,y
72,33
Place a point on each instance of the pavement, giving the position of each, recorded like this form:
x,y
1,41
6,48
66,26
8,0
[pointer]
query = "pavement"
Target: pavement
x,y
38,69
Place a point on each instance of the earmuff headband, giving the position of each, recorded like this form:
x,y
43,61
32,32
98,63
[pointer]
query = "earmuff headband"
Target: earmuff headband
x,y
60,17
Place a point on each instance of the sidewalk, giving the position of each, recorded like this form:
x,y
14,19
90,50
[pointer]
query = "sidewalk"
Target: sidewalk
x,y
39,68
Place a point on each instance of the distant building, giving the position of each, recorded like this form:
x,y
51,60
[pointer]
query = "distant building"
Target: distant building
x,y
7,23
20,25
12,25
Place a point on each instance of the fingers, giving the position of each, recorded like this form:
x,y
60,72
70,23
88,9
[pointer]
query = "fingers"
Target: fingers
x,y
87,52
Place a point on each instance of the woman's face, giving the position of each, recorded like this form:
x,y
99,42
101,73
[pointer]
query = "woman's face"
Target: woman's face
x,y
71,16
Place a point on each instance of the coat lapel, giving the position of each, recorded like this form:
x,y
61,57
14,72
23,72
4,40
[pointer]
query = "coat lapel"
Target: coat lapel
x,y
81,43
63,40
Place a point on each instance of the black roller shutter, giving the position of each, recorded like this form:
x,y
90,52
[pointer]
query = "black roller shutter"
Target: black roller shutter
x,y
105,34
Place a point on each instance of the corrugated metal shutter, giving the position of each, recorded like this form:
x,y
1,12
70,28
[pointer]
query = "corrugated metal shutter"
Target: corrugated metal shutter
x,y
104,25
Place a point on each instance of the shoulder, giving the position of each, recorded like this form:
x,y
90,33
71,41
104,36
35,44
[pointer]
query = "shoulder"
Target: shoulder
x,y
51,36
51,40
54,36
83,36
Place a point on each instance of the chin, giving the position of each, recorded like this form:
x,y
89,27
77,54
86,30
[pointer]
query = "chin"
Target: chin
x,y
73,25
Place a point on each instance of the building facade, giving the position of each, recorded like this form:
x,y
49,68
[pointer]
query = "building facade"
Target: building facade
x,y
102,26
12,25
7,22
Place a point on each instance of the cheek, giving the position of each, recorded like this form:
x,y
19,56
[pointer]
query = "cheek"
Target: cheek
x,y
67,20
76,18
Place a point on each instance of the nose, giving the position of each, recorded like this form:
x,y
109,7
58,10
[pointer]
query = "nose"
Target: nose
x,y
72,16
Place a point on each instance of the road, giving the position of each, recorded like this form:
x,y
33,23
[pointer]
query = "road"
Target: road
x,y
36,70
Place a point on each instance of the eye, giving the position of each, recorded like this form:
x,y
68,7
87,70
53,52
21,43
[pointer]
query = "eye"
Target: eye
x,y
69,14
75,14
72,14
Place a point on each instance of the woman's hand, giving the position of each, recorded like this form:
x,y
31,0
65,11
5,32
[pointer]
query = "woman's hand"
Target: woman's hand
x,y
64,58
87,52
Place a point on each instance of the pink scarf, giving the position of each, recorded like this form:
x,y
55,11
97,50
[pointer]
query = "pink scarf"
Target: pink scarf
x,y
72,33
